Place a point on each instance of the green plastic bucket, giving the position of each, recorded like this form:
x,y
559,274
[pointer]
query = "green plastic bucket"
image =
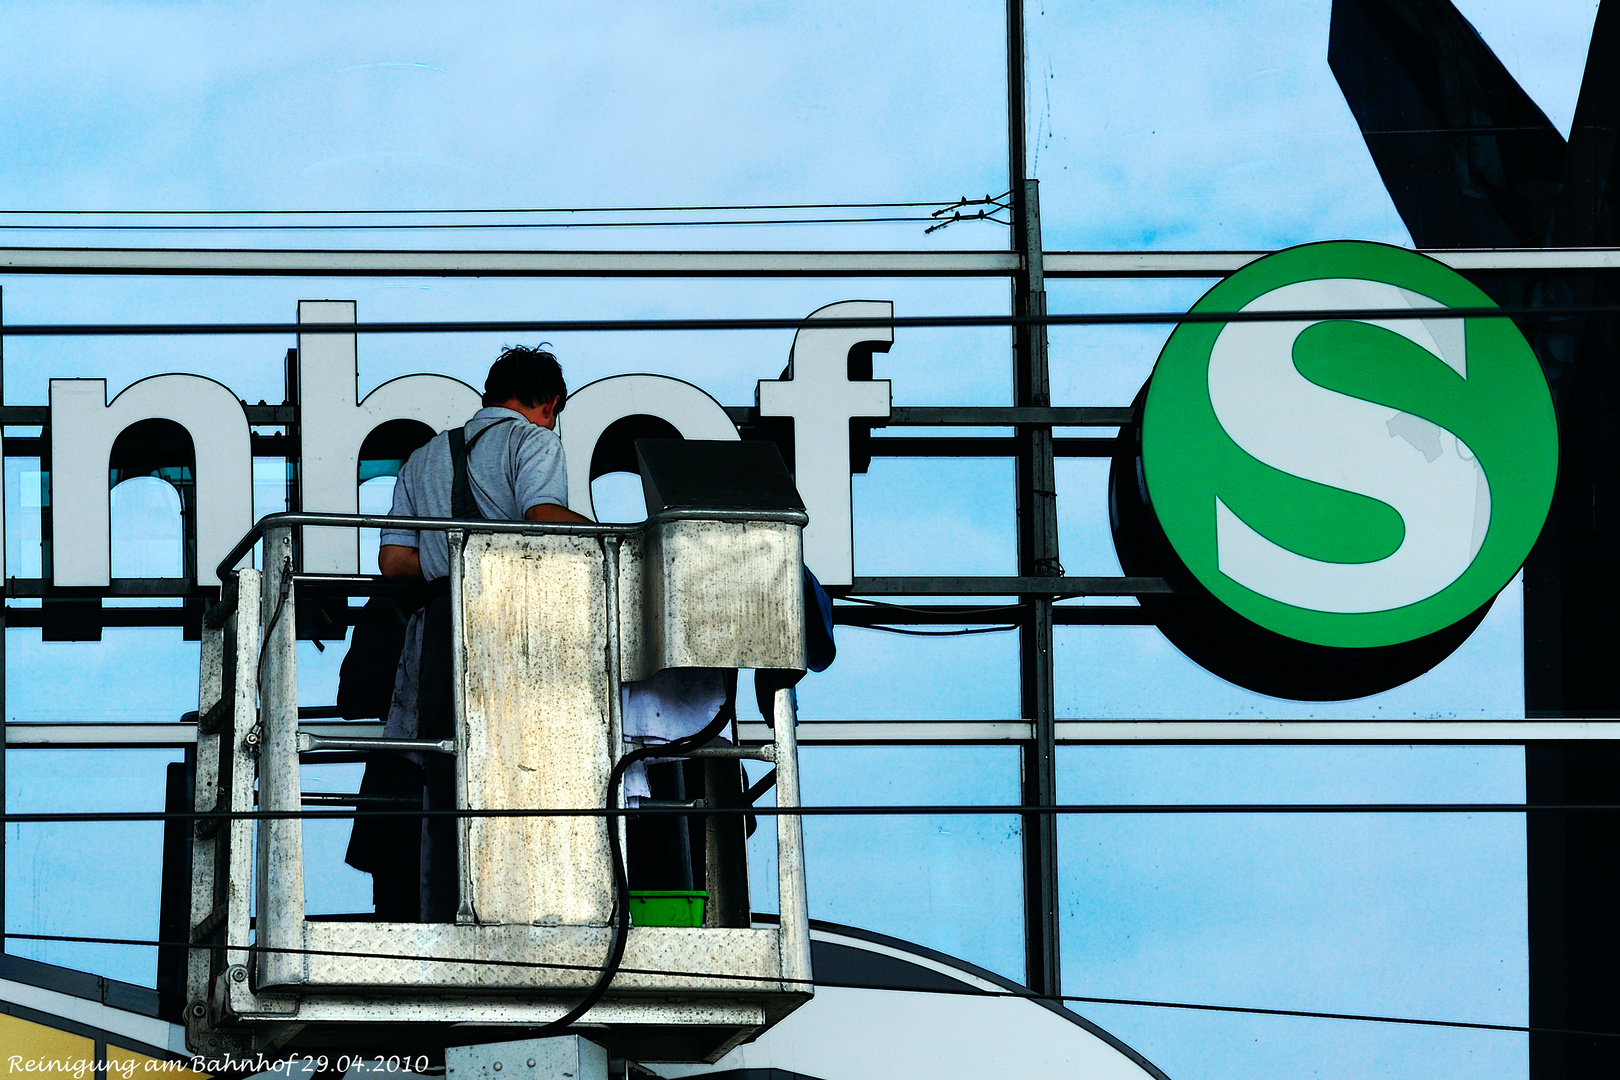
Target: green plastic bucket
x,y
667,907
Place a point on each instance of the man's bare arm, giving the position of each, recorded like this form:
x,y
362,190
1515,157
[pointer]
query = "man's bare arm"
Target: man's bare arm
x,y
553,512
396,561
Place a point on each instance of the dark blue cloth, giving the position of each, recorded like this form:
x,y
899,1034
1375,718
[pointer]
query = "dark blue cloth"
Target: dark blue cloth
x,y
818,624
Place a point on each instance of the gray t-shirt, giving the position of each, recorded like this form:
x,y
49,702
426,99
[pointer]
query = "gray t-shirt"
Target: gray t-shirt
x,y
515,466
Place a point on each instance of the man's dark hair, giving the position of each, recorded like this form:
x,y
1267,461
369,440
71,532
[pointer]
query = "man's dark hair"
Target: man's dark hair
x,y
532,376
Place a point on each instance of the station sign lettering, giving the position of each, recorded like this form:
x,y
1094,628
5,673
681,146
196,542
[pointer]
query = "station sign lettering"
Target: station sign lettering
x,y
1348,482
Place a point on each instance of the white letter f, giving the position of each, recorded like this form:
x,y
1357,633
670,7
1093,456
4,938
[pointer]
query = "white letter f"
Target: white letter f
x,y
822,399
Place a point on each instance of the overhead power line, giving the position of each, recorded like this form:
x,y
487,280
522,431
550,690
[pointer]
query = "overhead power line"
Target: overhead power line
x,y
1143,318
408,211
485,226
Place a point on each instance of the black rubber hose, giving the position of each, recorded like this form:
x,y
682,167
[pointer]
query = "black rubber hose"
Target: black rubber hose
x,y
621,880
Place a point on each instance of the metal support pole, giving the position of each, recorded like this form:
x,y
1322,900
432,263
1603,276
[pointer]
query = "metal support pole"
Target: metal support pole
x,y
1037,538
456,539
1037,557
792,903
280,911
237,851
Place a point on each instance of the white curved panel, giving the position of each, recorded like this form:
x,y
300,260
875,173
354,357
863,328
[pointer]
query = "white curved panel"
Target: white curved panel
x,y
334,423
84,427
847,1034
593,408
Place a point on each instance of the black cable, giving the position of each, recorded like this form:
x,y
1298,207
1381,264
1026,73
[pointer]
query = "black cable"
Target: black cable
x,y
968,631
502,210
922,810
1145,318
966,991
621,880
474,226
281,602
937,609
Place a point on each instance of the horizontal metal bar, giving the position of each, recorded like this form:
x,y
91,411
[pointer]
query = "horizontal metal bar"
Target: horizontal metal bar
x,y
1008,416
1128,264
310,741
25,415
1194,732
854,614
27,734
1532,259
38,588
22,735
1121,264
860,732
284,262
265,415
766,752
338,798
342,729
358,585
1009,586
272,445
1207,732
115,617
384,521
925,446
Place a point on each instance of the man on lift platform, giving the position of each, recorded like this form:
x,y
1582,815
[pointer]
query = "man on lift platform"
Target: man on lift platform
x,y
505,464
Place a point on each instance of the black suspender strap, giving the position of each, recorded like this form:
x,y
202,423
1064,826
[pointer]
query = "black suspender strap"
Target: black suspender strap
x,y
462,503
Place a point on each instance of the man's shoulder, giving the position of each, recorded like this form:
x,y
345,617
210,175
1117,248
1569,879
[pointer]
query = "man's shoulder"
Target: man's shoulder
x,y
536,439
425,457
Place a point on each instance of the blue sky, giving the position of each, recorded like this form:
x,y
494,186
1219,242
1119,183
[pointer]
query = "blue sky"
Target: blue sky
x,y
1184,125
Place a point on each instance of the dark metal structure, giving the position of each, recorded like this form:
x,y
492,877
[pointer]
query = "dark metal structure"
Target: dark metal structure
x,y
1469,160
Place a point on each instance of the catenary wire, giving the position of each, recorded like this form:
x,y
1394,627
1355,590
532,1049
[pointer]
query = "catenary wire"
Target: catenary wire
x,y
938,609
1146,318
407,211
966,631
480,226
966,991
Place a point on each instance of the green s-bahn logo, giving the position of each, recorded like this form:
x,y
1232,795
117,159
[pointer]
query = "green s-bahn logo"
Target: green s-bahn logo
x,y
1349,482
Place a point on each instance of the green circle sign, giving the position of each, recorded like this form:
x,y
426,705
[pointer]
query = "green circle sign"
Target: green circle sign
x,y
1352,481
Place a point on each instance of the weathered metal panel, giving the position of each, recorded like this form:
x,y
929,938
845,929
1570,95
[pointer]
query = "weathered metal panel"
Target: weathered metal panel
x,y
632,605
741,1015
657,959
566,1057
537,689
726,594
